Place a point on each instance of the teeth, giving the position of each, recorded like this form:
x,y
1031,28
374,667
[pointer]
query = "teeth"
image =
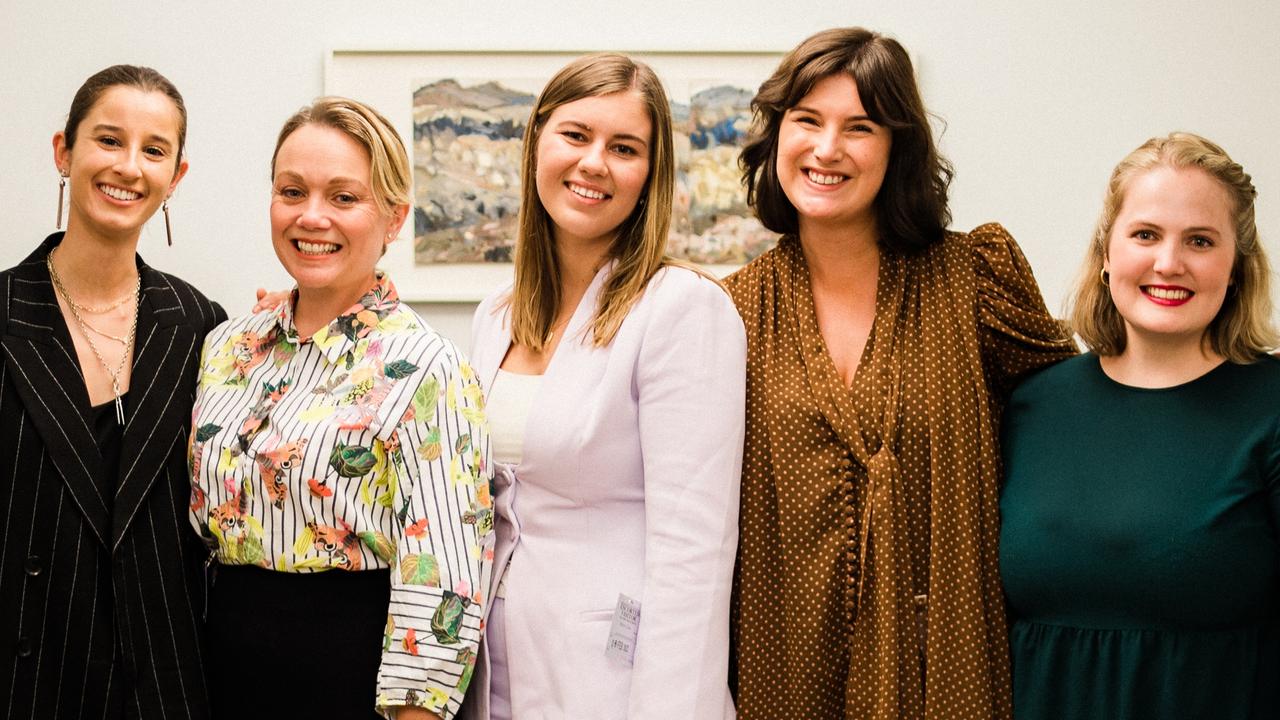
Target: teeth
x,y
316,248
586,193
822,179
119,193
1168,293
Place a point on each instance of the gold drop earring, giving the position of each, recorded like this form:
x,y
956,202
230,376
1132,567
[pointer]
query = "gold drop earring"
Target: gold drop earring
x,y
168,233
62,186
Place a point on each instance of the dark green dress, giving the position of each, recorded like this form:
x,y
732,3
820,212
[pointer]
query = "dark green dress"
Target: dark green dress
x,y
1139,545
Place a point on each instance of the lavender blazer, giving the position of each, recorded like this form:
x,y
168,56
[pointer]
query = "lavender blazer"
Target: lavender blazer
x,y
628,485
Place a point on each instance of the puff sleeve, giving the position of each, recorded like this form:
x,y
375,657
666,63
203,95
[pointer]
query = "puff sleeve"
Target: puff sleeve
x,y
1016,333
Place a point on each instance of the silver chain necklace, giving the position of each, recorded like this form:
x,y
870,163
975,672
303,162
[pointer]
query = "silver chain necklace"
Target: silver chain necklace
x,y
85,328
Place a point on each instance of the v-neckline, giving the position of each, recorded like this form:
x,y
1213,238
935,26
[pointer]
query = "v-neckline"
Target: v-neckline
x,y
571,328
807,313
838,402
577,321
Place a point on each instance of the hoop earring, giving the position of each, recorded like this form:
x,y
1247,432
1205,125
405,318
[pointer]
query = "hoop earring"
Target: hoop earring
x,y
1104,277
62,186
168,232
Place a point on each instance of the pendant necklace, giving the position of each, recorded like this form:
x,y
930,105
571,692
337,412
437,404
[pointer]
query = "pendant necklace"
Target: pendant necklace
x,y
85,329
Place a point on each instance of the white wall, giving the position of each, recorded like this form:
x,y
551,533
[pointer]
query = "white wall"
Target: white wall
x,y
1039,101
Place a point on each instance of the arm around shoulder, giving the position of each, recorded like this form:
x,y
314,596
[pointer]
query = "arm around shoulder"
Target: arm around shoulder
x,y
1016,332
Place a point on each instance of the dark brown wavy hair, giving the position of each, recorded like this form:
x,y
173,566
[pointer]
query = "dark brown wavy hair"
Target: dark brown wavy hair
x,y
911,207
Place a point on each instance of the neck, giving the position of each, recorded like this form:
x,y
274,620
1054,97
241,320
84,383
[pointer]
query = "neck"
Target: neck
x,y
94,271
578,264
863,230
1160,363
316,308
834,256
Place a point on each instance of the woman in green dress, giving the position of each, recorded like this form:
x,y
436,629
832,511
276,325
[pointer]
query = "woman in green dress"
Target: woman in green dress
x,y
1139,547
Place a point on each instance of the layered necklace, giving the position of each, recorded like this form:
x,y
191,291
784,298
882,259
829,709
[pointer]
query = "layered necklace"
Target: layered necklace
x,y
88,330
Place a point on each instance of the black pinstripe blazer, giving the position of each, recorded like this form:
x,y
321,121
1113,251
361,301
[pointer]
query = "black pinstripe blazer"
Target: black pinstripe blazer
x,y
100,598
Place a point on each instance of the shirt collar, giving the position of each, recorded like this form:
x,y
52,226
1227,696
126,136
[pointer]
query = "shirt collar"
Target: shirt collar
x,y
339,338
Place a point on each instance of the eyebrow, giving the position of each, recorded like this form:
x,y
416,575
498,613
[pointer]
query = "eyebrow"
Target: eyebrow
x,y
1196,229
851,118
619,136
155,139
334,182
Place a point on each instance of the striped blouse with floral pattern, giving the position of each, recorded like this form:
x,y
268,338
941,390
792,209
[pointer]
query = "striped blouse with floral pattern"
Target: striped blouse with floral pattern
x,y
364,446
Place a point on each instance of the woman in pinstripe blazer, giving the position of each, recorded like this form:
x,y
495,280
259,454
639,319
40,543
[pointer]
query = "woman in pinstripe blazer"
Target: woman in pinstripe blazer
x,y
101,587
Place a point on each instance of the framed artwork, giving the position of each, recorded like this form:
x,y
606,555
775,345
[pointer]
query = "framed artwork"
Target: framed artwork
x,y
462,115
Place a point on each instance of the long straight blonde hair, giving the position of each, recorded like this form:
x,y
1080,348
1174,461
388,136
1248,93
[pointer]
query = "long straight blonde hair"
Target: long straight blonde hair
x,y
639,248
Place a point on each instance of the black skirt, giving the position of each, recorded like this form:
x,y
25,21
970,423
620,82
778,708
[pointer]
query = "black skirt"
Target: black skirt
x,y
295,644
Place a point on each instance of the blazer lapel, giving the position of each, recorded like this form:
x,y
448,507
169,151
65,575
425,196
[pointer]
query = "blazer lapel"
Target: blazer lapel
x,y
160,395
577,332
492,347
46,375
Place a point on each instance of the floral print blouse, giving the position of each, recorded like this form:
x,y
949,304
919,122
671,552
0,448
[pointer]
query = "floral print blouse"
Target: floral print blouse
x,y
364,446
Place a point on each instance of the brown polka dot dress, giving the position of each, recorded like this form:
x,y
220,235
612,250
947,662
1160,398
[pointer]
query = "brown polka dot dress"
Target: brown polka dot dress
x,y
867,584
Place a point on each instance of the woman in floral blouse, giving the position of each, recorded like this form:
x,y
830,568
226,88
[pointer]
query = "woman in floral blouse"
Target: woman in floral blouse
x,y
338,441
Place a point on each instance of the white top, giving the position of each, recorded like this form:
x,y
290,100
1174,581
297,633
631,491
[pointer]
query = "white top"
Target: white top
x,y
507,409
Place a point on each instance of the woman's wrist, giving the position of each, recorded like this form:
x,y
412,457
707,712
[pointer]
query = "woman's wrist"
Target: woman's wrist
x,y
409,712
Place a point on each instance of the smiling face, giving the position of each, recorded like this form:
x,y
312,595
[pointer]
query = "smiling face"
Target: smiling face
x,y
832,157
592,165
1170,255
326,226
122,164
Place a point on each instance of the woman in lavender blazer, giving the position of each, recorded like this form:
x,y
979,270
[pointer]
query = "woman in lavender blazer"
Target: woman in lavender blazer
x,y
615,384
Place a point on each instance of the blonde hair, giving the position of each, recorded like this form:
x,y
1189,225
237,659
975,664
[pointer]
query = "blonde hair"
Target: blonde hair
x,y
389,172
639,248
1242,329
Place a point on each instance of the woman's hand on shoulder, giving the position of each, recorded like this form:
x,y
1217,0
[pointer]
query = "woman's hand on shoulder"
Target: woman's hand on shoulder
x,y
269,300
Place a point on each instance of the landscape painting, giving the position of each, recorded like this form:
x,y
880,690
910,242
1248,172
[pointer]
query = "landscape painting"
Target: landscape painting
x,y
711,223
467,135
466,168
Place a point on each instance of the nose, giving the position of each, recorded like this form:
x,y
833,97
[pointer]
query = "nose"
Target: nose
x,y
313,215
592,161
827,147
127,165
1169,259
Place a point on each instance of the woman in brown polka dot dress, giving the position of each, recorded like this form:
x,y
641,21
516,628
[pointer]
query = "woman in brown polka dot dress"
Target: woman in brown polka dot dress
x,y
881,348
